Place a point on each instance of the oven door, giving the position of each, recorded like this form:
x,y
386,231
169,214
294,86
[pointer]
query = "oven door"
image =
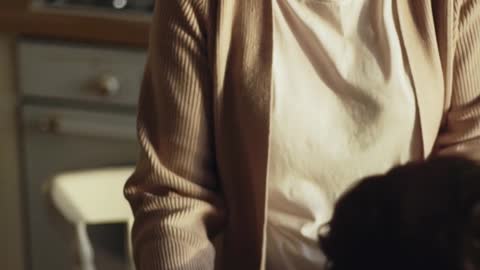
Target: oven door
x,y
57,140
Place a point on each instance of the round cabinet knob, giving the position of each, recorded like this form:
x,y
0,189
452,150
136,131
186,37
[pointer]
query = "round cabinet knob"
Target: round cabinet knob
x,y
109,85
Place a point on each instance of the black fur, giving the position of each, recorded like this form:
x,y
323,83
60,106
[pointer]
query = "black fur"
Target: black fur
x,y
419,216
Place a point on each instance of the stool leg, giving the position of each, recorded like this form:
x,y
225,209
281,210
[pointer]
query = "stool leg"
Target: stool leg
x,y
129,251
85,249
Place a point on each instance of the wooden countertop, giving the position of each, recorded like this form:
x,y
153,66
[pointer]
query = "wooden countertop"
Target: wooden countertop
x,y
84,26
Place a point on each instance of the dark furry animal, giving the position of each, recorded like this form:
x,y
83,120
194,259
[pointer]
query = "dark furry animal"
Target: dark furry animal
x,y
419,216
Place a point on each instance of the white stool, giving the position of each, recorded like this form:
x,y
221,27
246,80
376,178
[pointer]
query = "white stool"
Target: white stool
x,y
93,197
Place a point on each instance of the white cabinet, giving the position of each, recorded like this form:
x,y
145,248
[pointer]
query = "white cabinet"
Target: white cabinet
x,y
78,111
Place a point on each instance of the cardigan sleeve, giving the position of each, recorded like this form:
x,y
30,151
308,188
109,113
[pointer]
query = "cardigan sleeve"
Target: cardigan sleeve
x,y
461,132
174,192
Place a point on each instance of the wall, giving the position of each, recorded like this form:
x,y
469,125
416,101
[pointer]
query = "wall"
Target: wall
x,y
11,225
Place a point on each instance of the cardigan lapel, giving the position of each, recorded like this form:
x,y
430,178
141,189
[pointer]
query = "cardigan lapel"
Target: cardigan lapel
x,y
420,43
243,83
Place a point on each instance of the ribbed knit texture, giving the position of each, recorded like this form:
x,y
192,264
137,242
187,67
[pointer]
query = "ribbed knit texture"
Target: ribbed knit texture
x,y
174,191
171,191
461,134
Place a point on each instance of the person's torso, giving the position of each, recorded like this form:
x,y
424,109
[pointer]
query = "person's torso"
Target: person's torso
x,y
241,55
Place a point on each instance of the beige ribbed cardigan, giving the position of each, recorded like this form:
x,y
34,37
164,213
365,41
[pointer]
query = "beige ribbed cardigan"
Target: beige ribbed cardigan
x,y
203,121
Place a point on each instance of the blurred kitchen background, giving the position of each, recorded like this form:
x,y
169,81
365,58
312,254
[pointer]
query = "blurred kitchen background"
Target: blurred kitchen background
x,y
70,72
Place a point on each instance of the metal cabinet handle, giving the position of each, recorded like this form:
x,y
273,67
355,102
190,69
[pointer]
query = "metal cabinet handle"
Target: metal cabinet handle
x,y
49,124
83,127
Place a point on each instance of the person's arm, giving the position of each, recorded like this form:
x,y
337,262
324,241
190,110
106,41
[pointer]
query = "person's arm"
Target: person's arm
x,y
174,190
461,134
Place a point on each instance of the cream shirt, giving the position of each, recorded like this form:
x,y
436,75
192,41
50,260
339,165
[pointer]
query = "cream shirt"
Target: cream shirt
x,y
343,108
